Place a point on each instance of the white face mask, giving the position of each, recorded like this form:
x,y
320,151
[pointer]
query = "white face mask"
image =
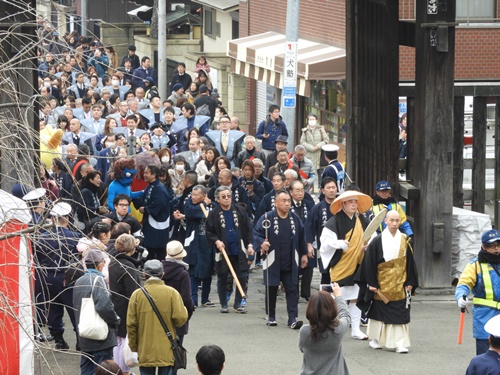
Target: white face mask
x,y
115,82
312,123
47,84
111,144
179,168
165,159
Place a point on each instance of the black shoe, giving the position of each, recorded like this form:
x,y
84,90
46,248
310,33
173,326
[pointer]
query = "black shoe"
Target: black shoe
x,y
62,345
272,323
296,325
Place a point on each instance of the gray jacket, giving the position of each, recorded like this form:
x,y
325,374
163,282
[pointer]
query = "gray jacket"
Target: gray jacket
x,y
103,306
325,357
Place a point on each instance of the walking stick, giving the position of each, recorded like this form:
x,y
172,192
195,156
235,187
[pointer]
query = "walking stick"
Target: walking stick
x,y
229,265
266,224
462,320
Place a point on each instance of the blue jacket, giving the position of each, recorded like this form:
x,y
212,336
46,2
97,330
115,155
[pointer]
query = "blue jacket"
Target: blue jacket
x,y
472,280
274,129
485,364
100,64
140,75
156,221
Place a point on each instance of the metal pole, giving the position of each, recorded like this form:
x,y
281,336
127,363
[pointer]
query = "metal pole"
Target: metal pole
x,y
290,82
162,49
84,17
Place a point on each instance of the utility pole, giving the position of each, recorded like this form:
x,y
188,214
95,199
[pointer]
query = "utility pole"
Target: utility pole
x,y
290,69
162,49
83,11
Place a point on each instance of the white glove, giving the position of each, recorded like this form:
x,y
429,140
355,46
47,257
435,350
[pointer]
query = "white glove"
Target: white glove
x,y
145,254
462,302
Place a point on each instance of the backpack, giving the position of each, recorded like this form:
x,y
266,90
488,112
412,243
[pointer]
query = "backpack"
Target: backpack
x,y
203,110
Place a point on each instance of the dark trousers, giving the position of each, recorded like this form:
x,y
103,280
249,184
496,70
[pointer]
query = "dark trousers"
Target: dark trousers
x,y
90,361
152,370
41,295
156,253
292,298
60,298
305,282
205,289
222,283
482,346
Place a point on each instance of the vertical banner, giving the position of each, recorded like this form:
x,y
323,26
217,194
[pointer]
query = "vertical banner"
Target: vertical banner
x,y
16,305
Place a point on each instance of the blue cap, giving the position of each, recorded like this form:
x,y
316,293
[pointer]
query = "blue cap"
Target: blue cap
x,y
383,185
177,87
490,236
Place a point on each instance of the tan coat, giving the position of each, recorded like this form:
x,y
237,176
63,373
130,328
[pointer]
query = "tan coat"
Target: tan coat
x,y
310,139
145,333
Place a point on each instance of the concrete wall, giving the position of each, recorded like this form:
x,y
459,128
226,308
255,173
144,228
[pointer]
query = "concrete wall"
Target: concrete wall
x,y
219,44
121,35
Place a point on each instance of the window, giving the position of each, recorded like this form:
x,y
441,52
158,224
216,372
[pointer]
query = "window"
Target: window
x,y
209,20
468,9
235,28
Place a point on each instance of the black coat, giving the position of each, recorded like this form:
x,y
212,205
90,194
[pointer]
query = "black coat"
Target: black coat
x,y
216,231
123,281
176,276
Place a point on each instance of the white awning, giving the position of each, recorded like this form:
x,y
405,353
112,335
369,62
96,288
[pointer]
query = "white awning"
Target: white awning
x,y
261,57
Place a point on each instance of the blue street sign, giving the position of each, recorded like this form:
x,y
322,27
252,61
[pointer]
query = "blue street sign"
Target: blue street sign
x,y
289,102
289,91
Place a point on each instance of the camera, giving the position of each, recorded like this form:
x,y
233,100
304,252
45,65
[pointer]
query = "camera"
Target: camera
x,y
326,288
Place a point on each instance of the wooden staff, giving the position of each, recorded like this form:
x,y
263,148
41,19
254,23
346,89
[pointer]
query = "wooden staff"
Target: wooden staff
x,y
229,265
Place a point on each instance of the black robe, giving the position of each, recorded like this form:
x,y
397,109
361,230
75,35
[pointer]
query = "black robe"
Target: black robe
x,y
216,231
341,224
295,253
200,256
394,312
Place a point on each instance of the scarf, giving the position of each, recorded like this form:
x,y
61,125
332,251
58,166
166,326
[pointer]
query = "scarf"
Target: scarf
x,y
485,257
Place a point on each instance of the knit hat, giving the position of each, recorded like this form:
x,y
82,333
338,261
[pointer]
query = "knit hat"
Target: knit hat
x,y
153,267
177,87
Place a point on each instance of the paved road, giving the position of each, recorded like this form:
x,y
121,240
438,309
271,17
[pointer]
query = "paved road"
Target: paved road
x,y
253,348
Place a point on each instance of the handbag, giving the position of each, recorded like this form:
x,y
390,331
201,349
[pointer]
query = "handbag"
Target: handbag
x,y
91,325
180,353
131,359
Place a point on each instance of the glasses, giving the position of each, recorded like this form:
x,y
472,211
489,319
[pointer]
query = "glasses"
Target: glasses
x,y
224,122
493,246
123,205
224,196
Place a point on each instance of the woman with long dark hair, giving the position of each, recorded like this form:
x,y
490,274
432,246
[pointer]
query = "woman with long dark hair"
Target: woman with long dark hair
x,y
62,177
90,206
204,168
321,339
222,162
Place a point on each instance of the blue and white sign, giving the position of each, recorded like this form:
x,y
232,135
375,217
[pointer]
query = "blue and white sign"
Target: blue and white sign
x,y
289,102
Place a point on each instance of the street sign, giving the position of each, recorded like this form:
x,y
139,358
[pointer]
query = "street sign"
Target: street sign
x,y
289,102
290,91
290,75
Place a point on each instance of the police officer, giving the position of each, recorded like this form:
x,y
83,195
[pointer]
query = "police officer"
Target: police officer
x,y
482,277
334,168
56,249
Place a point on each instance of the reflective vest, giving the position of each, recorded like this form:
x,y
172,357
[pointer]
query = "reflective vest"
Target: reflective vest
x,y
489,301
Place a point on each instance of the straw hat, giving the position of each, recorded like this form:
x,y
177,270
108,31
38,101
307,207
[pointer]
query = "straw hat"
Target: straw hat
x,y
364,201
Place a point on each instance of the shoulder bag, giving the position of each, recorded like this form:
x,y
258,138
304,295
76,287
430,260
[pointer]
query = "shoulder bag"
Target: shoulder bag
x,y
180,353
91,325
